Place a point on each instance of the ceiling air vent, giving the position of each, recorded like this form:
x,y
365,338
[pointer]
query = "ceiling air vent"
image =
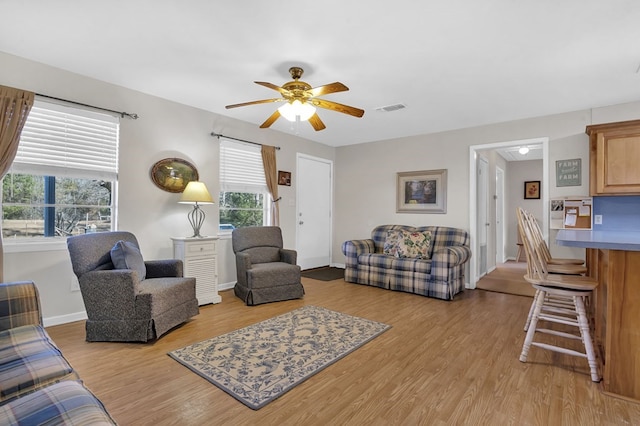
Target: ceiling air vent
x,y
389,108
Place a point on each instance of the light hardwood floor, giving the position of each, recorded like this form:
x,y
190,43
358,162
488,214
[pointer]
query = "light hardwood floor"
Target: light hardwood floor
x,y
507,277
441,363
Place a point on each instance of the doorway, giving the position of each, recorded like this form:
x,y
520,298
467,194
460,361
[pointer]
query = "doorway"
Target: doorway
x,y
473,194
500,254
482,180
313,216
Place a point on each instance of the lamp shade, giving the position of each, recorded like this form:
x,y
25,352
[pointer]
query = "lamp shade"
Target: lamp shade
x,y
196,193
292,110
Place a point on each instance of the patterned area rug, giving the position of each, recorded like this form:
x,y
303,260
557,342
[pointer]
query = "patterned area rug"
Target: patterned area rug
x,y
259,363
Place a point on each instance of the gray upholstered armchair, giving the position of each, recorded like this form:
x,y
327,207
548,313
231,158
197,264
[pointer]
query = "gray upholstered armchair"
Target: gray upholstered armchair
x,y
134,301
266,271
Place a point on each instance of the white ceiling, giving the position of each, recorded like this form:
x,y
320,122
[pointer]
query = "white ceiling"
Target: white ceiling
x,y
512,153
453,63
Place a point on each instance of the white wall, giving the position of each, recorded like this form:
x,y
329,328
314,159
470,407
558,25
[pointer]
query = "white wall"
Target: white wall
x,y
164,129
366,173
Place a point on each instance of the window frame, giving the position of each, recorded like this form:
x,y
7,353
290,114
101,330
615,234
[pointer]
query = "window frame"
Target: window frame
x,y
45,139
241,182
265,210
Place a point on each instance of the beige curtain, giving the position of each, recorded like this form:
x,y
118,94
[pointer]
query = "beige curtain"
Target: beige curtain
x,y
271,174
14,108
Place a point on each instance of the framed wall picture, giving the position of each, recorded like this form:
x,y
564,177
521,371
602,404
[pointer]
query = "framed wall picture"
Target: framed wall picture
x,y
532,190
422,192
173,174
284,178
569,172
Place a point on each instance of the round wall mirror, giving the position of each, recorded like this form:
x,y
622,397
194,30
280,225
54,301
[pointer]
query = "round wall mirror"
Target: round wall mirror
x,y
173,174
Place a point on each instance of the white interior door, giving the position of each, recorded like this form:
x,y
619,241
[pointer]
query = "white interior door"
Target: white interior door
x,y
314,194
499,215
483,220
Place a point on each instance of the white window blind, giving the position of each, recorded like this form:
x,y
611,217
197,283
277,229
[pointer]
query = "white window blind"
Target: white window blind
x,y
241,168
62,141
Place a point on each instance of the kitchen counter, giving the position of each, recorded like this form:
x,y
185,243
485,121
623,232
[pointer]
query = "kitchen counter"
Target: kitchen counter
x,y
608,240
613,259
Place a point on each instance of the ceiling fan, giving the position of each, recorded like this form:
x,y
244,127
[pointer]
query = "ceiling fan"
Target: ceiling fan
x,y
301,100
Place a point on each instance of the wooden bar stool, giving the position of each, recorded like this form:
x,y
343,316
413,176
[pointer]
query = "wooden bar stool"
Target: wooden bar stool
x,y
526,219
559,299
574,316
537,234
520,249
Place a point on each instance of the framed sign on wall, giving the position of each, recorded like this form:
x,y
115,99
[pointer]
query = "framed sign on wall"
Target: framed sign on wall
x,y
569,172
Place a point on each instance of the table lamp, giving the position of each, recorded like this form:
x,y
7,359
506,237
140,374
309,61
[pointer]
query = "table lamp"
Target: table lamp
x,y
196,193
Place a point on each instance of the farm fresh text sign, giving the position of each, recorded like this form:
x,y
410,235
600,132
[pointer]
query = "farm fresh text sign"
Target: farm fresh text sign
x,y
569,172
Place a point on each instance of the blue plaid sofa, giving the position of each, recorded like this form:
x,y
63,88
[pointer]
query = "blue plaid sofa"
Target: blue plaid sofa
x,y
37,384
441,275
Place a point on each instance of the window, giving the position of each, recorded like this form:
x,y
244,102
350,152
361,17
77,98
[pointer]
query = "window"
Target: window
x,y
63,179
243,189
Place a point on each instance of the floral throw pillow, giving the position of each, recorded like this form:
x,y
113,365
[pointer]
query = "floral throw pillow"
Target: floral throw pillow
x,y
415,245
392,243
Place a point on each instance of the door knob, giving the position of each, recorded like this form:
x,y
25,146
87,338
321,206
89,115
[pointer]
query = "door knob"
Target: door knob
x,y
301,223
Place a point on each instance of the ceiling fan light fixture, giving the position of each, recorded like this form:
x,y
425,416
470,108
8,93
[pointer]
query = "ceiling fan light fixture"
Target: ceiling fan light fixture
x,y
523,150
301,101
297,110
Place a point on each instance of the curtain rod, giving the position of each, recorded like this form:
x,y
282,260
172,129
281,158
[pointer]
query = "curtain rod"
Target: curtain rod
x,y
120,113
236,139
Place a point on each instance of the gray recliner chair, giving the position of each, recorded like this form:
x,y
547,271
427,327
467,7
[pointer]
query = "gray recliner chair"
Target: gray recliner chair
x,y
138,302
266,271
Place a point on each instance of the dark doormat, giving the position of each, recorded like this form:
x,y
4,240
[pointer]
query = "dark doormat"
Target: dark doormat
x,y
324,274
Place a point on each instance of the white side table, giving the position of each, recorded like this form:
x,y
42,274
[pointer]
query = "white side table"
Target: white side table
x,y
200,259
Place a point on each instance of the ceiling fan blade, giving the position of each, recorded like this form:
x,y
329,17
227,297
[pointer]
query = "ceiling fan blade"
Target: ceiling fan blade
x,y
269,121
327,88
263,101
345,109
274,87
316,122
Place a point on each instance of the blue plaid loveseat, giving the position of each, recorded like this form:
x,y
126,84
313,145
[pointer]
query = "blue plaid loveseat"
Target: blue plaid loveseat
x,y
440,276
37,384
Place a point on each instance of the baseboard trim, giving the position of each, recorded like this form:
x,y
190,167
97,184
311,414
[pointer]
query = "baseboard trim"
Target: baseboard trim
x,y
64,319
226,286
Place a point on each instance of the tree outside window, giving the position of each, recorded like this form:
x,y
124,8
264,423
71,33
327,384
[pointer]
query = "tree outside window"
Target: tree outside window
x,y
240,209
50,206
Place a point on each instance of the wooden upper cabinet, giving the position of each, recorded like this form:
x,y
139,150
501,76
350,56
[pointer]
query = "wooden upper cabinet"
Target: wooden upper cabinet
x,y
614,162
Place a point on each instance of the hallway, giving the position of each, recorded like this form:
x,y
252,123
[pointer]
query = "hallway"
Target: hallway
x,y
507,278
